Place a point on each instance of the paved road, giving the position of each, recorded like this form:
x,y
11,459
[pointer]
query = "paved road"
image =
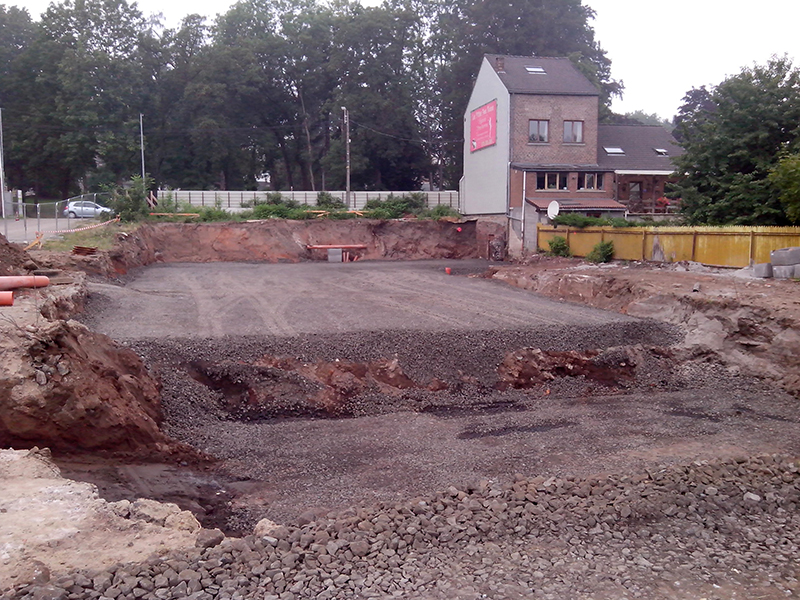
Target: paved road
x,y
24,230
218,299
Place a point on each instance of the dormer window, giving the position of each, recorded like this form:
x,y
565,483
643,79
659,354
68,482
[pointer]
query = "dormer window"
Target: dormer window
x,y
614,150
661,151
535,70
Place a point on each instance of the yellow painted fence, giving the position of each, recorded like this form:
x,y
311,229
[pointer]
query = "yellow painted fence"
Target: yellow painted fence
x,y
717,246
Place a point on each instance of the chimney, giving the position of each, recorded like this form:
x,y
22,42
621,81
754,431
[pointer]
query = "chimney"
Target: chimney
x,y
500,64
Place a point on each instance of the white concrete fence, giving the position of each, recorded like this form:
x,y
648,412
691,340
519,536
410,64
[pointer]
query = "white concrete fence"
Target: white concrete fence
x,y
232,201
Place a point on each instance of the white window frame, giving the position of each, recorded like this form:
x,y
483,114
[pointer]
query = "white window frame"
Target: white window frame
x,y
571,129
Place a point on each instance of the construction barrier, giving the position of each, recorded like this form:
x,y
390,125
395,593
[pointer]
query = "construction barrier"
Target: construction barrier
x,y
103,224
714,246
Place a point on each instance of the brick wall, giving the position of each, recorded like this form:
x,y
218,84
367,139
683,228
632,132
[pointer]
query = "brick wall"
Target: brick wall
x,y
555,109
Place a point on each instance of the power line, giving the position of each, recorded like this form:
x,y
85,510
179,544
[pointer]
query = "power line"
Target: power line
x,y
404,139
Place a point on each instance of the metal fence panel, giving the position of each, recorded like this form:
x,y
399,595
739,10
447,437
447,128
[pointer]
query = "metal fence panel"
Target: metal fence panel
x,y
233,200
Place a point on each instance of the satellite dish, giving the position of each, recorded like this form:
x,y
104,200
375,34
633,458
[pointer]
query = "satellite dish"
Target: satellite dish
x,y
552,209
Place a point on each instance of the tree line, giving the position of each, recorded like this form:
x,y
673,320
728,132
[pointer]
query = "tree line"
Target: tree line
x,y
258,93
741,138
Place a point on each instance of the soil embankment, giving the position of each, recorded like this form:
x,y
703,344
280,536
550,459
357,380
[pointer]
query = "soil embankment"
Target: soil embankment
x,y
279,240
752,324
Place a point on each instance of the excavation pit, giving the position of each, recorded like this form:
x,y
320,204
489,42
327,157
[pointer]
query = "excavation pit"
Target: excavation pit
x,y
319,386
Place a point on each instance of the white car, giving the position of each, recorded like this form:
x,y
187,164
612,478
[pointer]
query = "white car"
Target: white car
x,y
84,209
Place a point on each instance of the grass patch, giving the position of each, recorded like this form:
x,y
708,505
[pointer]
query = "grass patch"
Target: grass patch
x,y
103,238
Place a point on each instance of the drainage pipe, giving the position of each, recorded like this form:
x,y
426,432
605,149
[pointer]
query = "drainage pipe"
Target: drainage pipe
x,y
6,298
23,281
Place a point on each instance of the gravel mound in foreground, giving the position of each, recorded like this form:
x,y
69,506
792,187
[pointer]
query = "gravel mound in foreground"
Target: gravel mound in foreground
x,y
708,529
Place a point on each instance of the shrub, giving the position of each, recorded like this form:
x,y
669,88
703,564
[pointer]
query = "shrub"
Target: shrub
x,y
326,201
395,207
580,221
273,198
281,211
439,211
212,213
559,246
131,203
602,252
380,213
576,220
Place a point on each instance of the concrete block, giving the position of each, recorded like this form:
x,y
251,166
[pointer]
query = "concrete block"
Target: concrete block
x,y
785,256
784,271
763,270
334,255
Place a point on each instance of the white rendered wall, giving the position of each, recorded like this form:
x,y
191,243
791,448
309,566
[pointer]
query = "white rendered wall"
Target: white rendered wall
x,y
485,183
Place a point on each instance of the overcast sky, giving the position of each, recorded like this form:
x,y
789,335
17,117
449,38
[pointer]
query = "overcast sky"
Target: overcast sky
x,y
660,50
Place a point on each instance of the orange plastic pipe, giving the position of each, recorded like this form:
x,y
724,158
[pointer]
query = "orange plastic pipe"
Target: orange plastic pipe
x,y
6,298
13,282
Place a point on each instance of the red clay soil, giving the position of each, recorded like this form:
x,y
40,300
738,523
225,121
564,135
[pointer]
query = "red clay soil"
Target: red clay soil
x,y
13,259
753,324
67,388
279,240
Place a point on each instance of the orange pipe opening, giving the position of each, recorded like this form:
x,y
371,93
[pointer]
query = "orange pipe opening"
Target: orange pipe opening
x,y
6,298
13,282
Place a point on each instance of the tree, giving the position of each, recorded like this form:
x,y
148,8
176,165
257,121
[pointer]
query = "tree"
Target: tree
x,y
639,116
91,78
785,176
17,34
733,136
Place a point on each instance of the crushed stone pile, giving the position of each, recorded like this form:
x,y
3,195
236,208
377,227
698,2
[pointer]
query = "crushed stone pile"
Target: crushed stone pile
x,y
718,529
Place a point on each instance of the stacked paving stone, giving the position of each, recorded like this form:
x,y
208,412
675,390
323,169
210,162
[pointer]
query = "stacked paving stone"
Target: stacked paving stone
x,y
784,264
688,531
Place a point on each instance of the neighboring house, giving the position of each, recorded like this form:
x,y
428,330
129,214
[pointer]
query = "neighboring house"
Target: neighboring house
x,y
532,136
641,159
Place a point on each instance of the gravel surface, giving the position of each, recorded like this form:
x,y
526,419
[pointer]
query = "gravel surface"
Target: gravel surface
x,y
421,441
507,501
721,529
219,299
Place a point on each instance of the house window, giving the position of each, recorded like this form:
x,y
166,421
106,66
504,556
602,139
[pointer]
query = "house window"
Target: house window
x,y
590,181
614,150
535,70
661,151
573,132
537,131
551,181
635,190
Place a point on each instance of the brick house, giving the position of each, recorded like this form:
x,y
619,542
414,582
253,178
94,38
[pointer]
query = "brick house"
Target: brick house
x,y
532,136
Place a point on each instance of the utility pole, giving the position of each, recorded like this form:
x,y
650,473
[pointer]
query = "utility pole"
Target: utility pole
x,y
347,154
141,145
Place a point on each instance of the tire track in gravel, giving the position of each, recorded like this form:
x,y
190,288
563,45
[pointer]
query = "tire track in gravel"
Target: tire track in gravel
x,y
216,300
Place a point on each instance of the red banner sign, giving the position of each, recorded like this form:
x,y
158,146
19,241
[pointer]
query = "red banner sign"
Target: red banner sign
x,y
483,126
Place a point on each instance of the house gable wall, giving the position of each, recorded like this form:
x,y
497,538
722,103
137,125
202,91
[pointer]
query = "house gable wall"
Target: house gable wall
x,y
484,187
